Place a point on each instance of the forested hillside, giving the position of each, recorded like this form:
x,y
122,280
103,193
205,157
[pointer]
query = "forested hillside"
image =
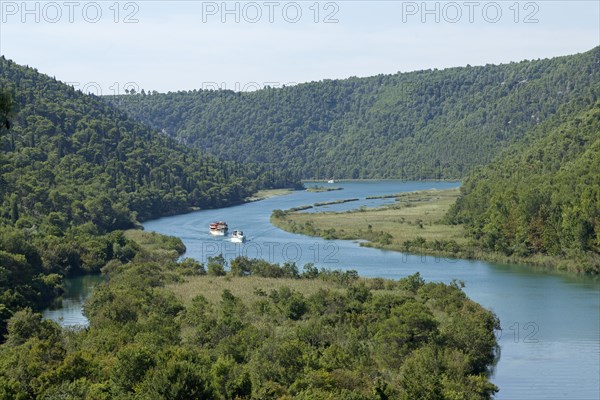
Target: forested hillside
x,y
542,198
73,169
425,124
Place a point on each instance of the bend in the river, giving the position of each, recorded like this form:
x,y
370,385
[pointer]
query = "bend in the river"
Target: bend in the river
x,y
550,338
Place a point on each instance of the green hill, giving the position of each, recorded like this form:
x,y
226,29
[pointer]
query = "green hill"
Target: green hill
x,y
542,198
425,124
73,169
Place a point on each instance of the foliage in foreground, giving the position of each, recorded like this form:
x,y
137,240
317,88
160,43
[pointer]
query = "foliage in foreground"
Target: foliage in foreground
x,y
352,339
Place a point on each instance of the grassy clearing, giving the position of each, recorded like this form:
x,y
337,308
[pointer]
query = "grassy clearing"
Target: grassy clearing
x,y
252,288
246,288
411,225
414,215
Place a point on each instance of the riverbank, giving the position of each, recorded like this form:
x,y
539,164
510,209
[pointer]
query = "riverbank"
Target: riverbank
x,y
264,325
268,193
320,189
521,372
412,225
378,180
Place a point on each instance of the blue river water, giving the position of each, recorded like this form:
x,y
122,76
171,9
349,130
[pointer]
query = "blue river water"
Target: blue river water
x,y
550,337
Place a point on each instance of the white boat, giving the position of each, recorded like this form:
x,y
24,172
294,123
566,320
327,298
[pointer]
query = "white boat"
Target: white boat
x,y
238,237
331,181
218,228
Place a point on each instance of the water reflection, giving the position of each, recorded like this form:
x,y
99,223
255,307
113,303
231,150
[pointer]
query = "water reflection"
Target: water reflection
x,y
69,309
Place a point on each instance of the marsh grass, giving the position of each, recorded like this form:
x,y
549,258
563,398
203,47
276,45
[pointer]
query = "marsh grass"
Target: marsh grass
x,y
319,189
248,288
252,288
413,224
415,214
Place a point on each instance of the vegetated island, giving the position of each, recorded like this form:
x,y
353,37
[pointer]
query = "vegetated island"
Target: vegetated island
x,y
330,203
253,330
268,193
416,223
320,189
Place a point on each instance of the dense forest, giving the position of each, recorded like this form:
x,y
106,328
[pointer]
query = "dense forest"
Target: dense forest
x,y
347,338
425,124
75,170
542,197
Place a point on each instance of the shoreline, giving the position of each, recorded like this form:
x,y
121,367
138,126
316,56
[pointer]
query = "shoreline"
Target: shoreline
x,y
377,179
544,264
258,196
548,264
267,194
412,226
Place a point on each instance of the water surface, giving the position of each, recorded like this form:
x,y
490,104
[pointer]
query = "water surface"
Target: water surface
x,y
550,338
70,310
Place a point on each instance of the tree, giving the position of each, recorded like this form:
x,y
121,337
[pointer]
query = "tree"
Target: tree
x,y
6,110
26,324
409,326
216,265
131,366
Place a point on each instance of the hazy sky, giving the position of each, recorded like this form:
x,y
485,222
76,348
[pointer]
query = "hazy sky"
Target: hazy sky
x,y
169,46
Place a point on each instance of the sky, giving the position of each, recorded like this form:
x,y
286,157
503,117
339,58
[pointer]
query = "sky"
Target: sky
x,y
104,47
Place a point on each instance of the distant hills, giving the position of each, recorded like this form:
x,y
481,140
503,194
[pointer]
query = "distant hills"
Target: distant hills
x,y
74,171
64,147
417,125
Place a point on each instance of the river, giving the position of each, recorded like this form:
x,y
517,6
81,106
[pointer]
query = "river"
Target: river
x,y
68,311
550,337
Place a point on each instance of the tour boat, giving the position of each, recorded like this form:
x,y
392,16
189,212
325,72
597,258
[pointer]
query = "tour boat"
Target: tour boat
x,y
218,228
238,237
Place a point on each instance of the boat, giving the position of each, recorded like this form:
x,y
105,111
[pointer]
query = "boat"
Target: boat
x,y
238,237
218,228
331,181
